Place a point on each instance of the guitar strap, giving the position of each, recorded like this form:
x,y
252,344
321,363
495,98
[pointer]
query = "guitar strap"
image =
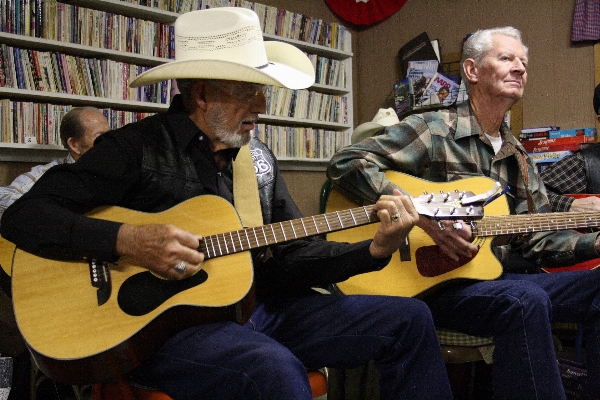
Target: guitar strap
x,y
524,171
245,189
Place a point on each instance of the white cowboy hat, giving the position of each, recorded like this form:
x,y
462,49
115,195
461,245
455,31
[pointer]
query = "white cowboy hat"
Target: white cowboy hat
x,y
384,117
227,43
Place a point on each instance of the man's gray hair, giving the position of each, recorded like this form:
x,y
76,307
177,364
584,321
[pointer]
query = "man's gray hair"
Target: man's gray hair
x,y
480,43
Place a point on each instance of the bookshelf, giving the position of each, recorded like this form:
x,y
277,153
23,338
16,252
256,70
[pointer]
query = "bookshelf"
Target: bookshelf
x,y
342,58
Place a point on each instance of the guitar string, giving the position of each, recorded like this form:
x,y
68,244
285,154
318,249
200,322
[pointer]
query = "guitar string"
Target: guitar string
x,y
225,243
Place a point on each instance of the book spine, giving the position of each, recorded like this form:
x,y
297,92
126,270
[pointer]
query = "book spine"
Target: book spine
x,y
572,132
554,147
549,156
540,129
565,143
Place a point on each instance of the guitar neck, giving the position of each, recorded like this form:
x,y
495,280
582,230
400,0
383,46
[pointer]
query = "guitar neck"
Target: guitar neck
x,y
509,224
252,238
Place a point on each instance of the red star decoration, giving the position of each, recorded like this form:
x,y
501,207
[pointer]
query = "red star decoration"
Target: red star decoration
x,y
365,12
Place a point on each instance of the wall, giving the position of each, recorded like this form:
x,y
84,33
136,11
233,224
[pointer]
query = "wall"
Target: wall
x,y
561,75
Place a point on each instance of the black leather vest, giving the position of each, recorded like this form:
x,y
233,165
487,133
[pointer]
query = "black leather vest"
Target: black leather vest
x,y
170,177
591,156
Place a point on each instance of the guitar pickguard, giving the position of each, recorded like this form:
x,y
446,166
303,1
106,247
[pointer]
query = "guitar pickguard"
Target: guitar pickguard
x,y
144,292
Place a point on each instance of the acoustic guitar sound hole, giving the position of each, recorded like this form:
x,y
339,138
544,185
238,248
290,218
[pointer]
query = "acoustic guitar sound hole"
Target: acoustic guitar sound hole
x,y
141,293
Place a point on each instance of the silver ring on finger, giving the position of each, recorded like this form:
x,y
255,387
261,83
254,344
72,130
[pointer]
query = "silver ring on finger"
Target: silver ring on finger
x,y
180,267
396,217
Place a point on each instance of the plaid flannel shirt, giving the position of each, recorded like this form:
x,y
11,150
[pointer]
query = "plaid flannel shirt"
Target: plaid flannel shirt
x,y
446,145
565,176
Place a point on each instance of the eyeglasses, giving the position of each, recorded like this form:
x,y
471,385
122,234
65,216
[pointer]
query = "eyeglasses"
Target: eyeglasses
x,y
243,91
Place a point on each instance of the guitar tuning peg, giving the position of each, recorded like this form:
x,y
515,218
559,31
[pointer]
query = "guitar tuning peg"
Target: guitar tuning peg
x,y
453,211
446,197
425,192
461,195
436,212
470,210
440,225
430,198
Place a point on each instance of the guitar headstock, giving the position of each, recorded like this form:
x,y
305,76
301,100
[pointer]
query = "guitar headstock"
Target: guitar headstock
x,y
449,205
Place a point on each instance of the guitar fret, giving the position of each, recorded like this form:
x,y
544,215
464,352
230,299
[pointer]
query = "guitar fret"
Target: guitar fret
x,y
255,237
293,229
219,245
248,239
315,224
353,218
337,214
304,227
366,213
327,223
264,235
239,240
232,242
282,231
212,242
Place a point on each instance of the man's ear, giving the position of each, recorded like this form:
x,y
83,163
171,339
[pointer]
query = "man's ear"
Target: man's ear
x,y
199,94
471,70
73,146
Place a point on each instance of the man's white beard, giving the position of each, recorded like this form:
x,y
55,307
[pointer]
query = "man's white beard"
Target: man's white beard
x,y
232,139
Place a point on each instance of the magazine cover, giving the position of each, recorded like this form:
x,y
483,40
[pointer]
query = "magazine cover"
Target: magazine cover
x,y
418,48
402,96
442,90
420,74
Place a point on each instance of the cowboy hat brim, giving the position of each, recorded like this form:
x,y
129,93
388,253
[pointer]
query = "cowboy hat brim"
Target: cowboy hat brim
x,y
287,66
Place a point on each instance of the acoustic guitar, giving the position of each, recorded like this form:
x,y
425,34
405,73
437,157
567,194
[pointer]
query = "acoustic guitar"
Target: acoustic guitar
x,y
88,321
422,268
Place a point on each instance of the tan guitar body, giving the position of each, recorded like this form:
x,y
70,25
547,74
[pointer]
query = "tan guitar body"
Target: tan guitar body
x,y
75,340
405,278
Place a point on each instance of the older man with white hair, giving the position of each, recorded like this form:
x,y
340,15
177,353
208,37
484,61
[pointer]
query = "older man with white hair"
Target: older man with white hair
x,y
470,140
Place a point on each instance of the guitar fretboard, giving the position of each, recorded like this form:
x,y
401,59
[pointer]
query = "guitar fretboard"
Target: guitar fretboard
x,y
509,224
251,238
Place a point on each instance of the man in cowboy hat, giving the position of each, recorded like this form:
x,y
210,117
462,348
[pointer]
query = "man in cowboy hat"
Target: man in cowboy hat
x,y
221,67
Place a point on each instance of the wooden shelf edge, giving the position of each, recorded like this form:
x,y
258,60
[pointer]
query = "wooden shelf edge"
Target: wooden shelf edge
x,y
39,44
70,99
30,153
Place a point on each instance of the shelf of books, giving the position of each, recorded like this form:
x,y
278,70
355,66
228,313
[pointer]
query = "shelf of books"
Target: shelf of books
x,y
549,144
85,52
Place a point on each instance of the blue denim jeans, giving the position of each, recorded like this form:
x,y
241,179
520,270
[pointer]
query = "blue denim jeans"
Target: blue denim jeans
x,y
517,309
267,357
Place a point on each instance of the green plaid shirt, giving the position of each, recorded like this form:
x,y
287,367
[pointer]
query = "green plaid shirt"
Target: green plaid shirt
x,y
447,145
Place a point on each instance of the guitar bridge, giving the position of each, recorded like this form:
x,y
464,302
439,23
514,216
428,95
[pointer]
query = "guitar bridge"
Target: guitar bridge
x,y
100,279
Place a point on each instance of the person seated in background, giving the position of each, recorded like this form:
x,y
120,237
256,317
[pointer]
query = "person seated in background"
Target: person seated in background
x,y
577,173
468,140
163,160
78,129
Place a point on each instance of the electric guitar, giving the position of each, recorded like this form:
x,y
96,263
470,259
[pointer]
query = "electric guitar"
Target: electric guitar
x,y
421,267
89,321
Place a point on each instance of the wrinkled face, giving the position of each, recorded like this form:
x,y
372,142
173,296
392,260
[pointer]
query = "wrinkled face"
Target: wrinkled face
x,y
232,117
503,70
